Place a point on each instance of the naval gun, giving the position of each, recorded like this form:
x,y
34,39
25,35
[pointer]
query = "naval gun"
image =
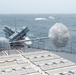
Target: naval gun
x,y
15,36
18,36
4,44
8,31
59,35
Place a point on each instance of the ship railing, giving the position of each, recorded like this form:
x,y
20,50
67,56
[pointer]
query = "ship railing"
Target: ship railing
x,y
46,44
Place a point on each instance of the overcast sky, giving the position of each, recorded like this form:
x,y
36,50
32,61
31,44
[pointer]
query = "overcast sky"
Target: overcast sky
x,y
37,6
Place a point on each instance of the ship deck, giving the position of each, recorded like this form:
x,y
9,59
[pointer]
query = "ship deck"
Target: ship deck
x,y
34,62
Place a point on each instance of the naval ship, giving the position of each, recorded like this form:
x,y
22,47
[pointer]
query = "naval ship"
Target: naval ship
x,y
19,57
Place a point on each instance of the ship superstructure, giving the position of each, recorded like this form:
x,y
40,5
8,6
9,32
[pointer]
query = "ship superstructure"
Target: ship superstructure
x,y
30,61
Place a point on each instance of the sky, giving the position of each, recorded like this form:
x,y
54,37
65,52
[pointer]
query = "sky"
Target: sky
x,y
37,6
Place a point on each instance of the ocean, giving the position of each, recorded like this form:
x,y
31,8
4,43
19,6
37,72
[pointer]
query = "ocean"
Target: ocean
x,y
39,25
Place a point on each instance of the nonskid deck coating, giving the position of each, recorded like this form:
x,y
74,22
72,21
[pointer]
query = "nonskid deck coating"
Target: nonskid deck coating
x,y
36,63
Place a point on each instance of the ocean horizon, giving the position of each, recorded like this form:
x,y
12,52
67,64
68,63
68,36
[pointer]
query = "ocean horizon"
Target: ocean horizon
x,y
39,25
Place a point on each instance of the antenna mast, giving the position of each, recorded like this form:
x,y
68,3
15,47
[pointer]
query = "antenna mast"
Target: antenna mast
x,y
15,26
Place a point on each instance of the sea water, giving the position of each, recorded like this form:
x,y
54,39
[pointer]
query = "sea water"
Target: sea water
x,y
39,25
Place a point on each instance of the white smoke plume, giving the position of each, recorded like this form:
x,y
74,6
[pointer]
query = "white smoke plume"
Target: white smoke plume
x,y
59,35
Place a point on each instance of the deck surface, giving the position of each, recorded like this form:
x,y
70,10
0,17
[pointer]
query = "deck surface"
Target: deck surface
x,y
34,62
